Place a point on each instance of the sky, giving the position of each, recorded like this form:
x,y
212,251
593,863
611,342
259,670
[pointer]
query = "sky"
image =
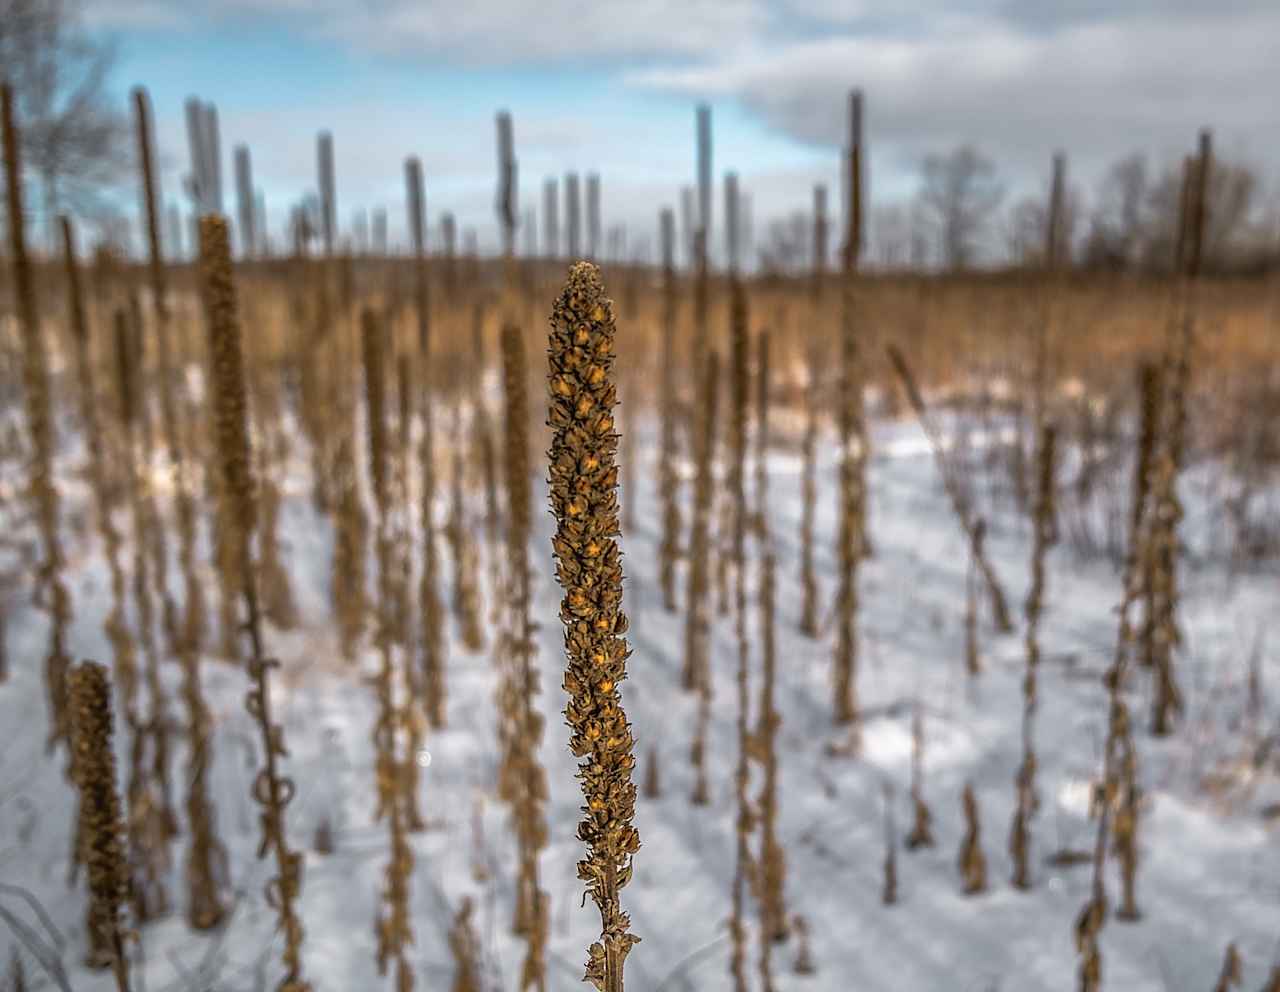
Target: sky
x,y
612,86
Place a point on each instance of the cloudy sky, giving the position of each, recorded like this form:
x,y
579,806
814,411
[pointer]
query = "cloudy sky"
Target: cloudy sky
x,y
611,86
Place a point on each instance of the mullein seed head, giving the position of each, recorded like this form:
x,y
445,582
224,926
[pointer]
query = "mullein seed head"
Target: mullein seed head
x,y
583,480
230,404
102,828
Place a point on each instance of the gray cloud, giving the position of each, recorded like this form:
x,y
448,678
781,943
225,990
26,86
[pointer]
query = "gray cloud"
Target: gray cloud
x,y
1097,88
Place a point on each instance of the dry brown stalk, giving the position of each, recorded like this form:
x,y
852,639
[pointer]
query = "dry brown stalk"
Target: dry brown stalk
x,y
668,479
972,582
271,789
1116,796
432,648
955,492
761,452
809,486
804,956
115,626
583,481
415,717
152,824
739,386
1027,802
972,862
652,775
889,890
1231,976
773,870
851,539
1163,547
50,592
155,266
465,948
697,621
1151,393
486,454
921,829
393,929
102,829
529,777
350,597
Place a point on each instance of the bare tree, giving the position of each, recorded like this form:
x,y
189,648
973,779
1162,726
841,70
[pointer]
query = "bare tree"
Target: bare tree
x,y
1116,226
1234,234
960,192
890,235
1026,228
73,140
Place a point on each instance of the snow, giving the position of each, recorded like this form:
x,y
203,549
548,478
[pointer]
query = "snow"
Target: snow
x,y
1208,872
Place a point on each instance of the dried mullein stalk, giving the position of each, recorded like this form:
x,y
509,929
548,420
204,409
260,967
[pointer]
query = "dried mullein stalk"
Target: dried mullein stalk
x,y
972,862
668,479
1162,544
393,928
697,622
889,889
773,870
583,480
1231,976
152,825
1115,797
739,384
466,588
50,591
155,267
278,604
1151,392
271,788
1087,927
697,668
431,648
351,537
921,828
102,829
804,956
206,871
852,536
809,489
528,778
116,626
432,656
961,503
482,439
464,945
1273,980
760,518
652,776
972,652
414,717
1026,800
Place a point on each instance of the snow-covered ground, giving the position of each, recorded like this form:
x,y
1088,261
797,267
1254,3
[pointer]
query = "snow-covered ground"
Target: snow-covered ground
x,y
1210,865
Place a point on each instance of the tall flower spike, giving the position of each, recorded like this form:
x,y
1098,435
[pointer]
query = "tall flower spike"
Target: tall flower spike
x,y
583,480
271,789
102,827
